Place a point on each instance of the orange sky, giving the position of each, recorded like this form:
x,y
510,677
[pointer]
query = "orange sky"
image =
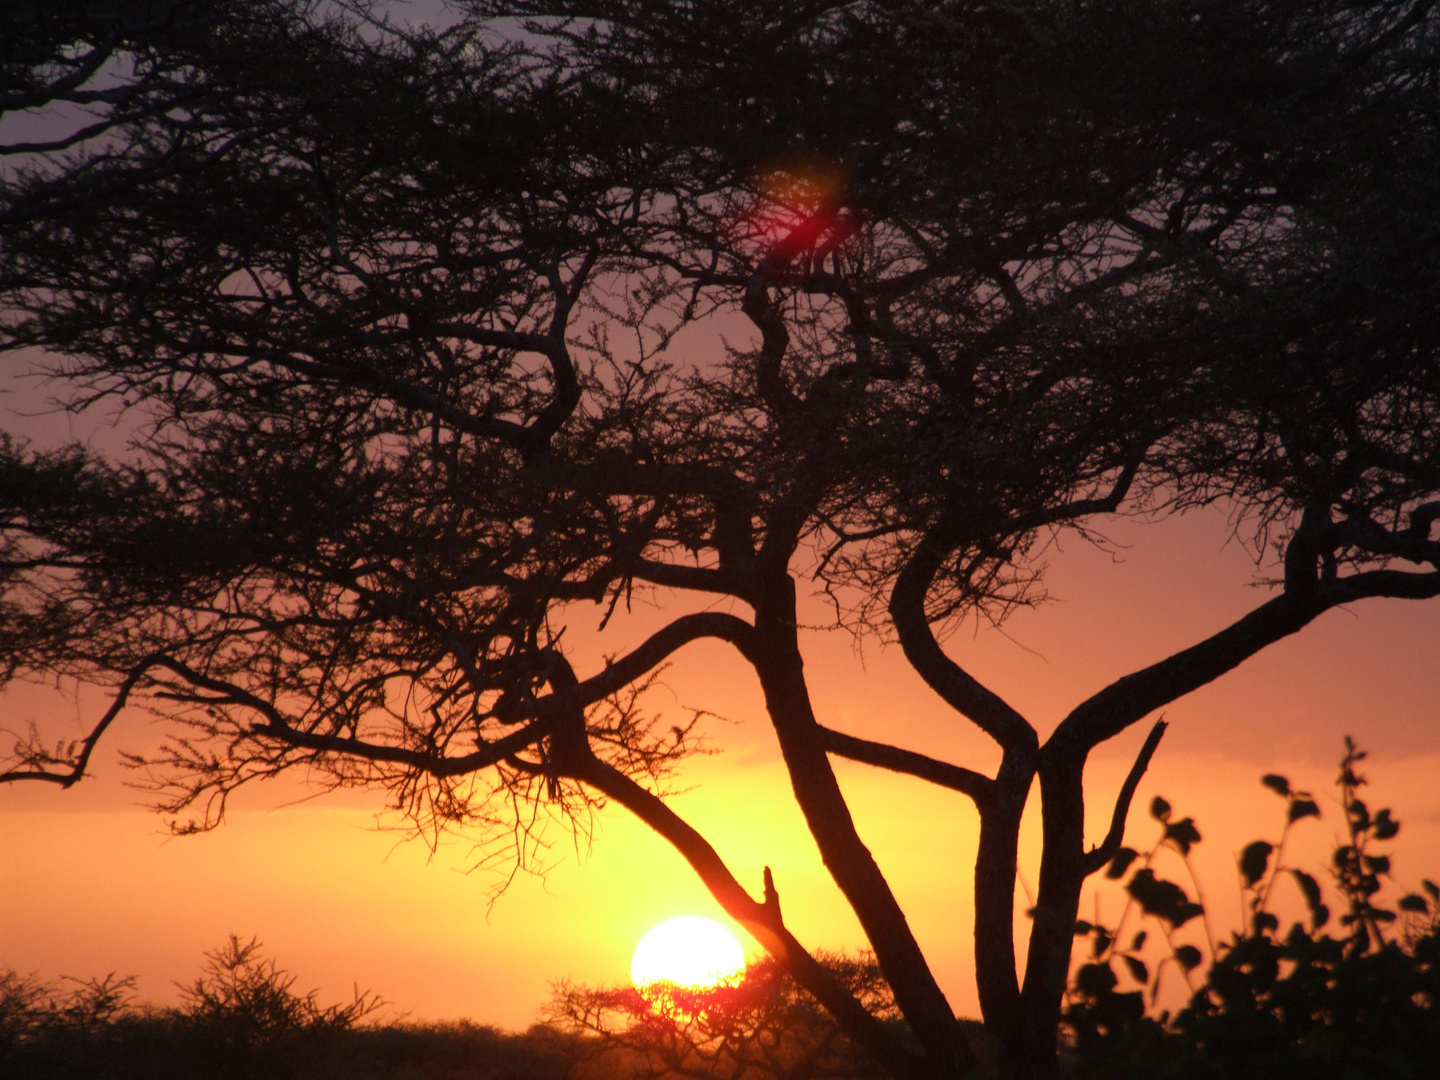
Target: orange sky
x,y
88,884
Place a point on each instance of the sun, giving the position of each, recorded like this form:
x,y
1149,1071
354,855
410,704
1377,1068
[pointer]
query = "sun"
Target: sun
x,y
688,951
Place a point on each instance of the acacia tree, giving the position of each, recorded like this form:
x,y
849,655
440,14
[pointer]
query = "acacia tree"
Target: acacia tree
x,y
392,311
764,1026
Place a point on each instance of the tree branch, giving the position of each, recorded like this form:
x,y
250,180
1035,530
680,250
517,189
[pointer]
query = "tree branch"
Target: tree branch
x,y
649,654
81,69
567,389
761,919
693,578
960,690
1101,855
399,391
277,725
653,651
1422,518
37,760
1129,699
774,336
978,786
1102,504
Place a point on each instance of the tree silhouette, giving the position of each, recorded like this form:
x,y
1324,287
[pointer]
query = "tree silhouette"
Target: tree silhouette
x,y
762,1026
394,312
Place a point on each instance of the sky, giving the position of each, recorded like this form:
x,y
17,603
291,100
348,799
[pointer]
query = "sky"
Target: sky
x,y
90,883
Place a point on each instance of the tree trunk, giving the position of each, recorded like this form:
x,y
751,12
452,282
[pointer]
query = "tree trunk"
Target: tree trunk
x,y
846,857
1032,1053
995,870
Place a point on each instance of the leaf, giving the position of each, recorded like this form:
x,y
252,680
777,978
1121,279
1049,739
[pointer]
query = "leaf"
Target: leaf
x,y
1319,913
1095,980
1159,809
1264,921
1121,862
1359,814
1163,899
1183,834
1276,783
1138,971
1431,888
1188,957
1377,864
1082,928
1138,941
1301,808
1309,886
1254,861
1413,903
1385,826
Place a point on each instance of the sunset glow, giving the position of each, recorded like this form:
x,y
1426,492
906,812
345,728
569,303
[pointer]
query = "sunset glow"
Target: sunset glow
x,y
953,498
687,951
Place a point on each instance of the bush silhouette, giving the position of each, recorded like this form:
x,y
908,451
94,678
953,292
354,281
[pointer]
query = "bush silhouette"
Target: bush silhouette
x,y
242,1019
1299,1004
244,999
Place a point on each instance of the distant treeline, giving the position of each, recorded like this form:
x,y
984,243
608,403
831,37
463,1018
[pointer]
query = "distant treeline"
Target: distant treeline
x,y
243,1020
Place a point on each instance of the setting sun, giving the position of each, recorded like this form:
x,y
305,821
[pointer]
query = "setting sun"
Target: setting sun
x,y
688,951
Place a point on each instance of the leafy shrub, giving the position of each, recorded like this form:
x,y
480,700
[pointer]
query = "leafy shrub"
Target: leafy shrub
x,y
1361,1006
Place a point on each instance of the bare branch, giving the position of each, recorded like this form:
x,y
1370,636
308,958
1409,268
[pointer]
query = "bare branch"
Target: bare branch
x,y
1101,855
353,373
761,919
280,727
36,761
1132,697
692,578
650,654
960,690
978,786
757,306
82,68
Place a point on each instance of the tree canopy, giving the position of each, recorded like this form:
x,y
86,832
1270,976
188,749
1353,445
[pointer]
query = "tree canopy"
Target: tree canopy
x,y
401,320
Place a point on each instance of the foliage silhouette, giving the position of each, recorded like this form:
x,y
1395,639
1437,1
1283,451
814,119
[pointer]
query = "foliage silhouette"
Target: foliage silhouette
x,y
400,323
1273,1005
242,1000
763,1027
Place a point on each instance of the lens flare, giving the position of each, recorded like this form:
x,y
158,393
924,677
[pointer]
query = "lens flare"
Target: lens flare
x,y
801,186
